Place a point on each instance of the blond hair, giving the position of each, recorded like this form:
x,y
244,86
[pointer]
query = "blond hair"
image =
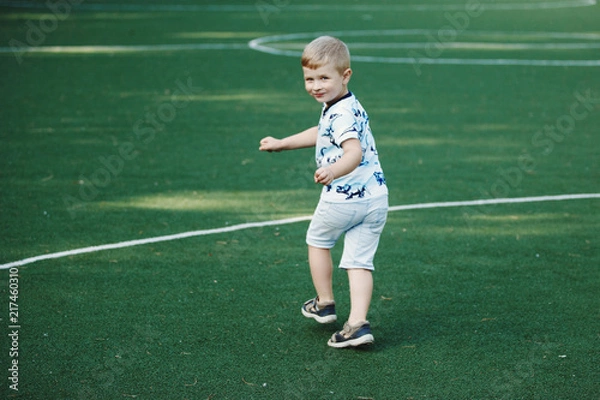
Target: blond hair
x,y
326,50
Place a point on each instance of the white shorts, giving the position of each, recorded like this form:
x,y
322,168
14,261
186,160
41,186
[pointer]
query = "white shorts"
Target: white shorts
x,y
361,221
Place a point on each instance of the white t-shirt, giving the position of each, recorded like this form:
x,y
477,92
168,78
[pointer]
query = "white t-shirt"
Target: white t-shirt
x,y
347,119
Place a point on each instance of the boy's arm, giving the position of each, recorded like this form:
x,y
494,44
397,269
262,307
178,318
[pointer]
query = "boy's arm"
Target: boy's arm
x,y
347,163
307,138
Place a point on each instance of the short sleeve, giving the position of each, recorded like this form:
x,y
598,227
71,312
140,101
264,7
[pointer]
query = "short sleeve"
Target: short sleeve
x,y
344,127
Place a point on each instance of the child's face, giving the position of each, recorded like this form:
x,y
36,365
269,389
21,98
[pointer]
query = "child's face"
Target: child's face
x,y
325,83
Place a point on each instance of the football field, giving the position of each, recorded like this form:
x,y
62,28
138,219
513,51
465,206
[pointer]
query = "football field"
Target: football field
x,y
149,250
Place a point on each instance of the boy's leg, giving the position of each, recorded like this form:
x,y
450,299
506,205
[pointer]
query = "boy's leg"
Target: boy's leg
x,y
321,270
360,246
361,290
357,331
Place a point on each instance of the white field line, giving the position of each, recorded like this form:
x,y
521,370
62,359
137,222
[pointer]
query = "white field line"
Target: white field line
x,y
413,32
184,235
458,46
239,46
486,202
243,46
483,61
262,45
265,45
125,49
506,6
479,46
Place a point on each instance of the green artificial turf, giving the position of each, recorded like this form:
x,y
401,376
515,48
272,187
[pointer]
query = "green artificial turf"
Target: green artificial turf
x,y
472,302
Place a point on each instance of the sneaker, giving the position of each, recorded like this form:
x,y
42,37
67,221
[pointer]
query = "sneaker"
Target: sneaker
x,y
352,336
323,315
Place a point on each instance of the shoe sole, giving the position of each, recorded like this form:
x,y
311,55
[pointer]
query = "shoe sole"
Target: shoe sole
x,y
360,341
322,320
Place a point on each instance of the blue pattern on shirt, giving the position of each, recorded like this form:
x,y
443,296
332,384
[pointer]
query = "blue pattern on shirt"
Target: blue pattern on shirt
x,y
345,120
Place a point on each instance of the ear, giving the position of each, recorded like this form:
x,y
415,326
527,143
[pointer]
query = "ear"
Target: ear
x,y
346,76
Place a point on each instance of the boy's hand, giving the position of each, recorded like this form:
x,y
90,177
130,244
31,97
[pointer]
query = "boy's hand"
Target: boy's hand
x,y
324,176
347,163
270,144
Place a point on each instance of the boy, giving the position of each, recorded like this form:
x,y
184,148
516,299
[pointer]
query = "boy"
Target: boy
x,y
354,199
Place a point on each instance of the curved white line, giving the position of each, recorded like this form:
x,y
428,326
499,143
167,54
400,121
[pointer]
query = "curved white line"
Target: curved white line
x,y
102,49
507,6
420,32
262,45
131,243
483,61
479,46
